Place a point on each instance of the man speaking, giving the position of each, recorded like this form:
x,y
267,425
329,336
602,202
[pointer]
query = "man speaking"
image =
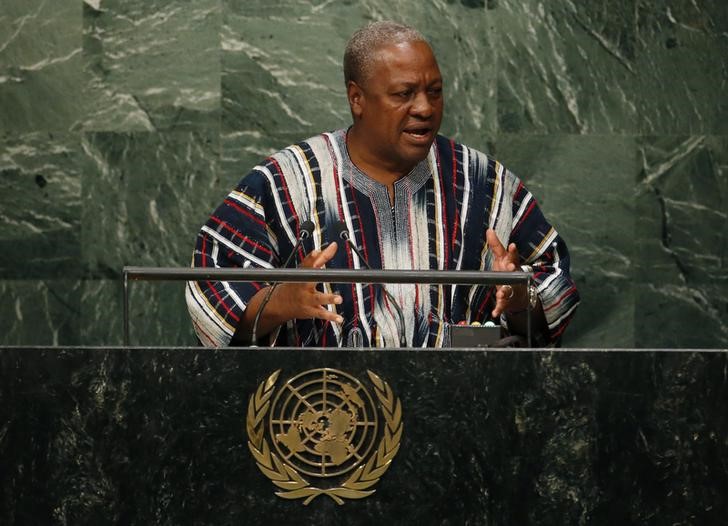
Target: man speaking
x,y
406,198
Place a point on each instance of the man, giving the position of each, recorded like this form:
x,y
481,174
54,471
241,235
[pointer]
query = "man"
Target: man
x,y
409,198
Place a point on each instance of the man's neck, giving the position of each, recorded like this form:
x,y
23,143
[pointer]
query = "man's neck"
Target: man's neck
x,y
371,165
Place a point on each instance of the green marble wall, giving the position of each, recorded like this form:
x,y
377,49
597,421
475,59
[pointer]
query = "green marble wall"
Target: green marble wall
x,y
123,123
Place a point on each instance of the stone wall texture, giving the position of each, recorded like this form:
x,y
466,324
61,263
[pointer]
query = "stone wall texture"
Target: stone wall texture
x,y
124,122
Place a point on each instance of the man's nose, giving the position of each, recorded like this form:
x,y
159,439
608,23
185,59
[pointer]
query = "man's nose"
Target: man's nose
x,y
421,105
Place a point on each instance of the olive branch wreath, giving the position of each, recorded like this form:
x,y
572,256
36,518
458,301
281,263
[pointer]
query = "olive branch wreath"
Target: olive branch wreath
x,y
294,486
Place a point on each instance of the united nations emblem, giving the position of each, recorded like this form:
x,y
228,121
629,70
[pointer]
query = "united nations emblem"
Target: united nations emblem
x,y
324,424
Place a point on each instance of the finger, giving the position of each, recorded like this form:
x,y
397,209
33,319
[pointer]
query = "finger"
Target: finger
x,y
500,307
494,243
503,296
326,255
331,315
322,313
317,257
310,259
513,256
323,298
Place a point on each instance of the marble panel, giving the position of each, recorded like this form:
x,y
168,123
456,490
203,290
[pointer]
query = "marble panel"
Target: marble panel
x,y
146,197
683,63
151,65
39,312
682,235
566,67
41,68
282,61
157,314
585,186
76,207
40,205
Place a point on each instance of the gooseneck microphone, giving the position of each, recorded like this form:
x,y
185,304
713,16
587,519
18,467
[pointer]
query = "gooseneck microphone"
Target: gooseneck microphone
x,y
306,231
343,233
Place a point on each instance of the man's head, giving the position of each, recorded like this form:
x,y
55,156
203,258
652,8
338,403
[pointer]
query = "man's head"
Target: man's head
x,y
361,50
394,89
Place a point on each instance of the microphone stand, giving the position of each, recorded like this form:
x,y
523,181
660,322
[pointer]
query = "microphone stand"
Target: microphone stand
x,y
306,231
344,235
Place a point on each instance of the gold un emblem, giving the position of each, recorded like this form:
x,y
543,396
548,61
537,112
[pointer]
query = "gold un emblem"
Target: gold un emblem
x,y
324,424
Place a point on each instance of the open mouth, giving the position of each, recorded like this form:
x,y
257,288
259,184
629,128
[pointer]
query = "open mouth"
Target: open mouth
x,y
418,133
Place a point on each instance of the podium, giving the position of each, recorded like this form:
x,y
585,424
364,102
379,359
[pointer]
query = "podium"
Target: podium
x,y
489,437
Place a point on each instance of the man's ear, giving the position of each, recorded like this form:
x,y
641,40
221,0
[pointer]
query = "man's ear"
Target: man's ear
x,y
356,98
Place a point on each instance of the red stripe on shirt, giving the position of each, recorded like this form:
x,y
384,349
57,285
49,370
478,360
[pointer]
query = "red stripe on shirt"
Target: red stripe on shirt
x,y
349,259
524,216
565,295
284,187
245,212
222,302
484,303
203,259
456,223
364,250
237,234
558,332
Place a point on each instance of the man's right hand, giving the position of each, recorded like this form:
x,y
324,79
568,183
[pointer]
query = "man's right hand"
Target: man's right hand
x,y
292,301
302,300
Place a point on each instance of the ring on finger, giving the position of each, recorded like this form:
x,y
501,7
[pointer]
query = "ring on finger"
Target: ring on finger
x,y
510,290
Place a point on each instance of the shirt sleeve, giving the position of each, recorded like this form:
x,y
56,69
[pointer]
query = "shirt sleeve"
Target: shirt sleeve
x,y
544,254
239,233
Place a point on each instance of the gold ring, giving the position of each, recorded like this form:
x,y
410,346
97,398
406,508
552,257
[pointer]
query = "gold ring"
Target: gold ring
x,y
509,288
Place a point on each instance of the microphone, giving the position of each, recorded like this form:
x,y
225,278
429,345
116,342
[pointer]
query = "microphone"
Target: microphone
x,y
343,233
306,231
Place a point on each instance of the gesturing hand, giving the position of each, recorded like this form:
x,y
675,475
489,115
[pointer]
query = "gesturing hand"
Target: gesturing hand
x,y
506,296
290,301
302,300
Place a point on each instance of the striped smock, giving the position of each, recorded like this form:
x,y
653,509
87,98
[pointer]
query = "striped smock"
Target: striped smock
x,y
438,220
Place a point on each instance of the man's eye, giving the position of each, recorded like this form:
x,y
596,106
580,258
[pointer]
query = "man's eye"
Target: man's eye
x,y
406,94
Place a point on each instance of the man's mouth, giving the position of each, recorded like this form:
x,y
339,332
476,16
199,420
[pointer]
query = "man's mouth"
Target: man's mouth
x,y
419,133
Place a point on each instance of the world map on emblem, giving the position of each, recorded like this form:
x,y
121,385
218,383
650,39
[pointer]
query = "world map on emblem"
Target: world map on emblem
x,y
323,422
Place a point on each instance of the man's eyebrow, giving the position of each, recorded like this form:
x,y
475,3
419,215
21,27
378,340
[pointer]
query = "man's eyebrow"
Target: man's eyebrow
x,y
411,83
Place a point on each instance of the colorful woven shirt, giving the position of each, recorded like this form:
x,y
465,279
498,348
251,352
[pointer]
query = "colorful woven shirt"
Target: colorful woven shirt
x,y
437,220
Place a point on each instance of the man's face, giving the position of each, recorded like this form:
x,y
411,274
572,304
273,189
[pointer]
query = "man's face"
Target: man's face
x,y
398,107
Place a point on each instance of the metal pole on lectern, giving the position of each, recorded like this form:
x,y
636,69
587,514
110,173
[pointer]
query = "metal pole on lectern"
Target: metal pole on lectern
x,y
301,275
126,307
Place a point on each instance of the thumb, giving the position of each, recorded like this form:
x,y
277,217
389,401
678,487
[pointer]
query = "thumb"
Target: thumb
x,y
494,243
325,255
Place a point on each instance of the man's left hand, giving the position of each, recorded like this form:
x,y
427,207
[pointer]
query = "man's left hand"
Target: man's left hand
x,y
507,297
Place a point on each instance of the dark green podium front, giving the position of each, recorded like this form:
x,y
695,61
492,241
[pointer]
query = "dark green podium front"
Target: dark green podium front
x,y
158,436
